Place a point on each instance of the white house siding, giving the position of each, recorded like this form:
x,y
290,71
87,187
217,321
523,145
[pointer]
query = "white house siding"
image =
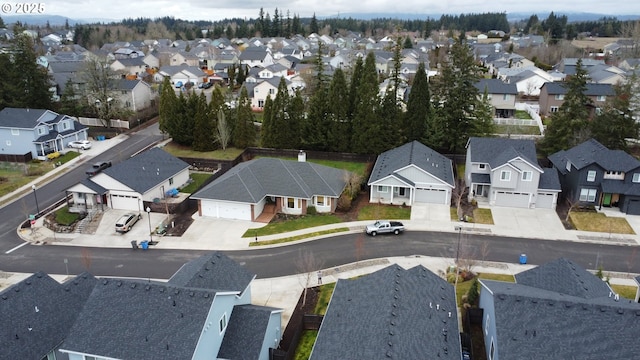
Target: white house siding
x,y
386,197
125,201
159,191
272,335
512,199
226,210
546,200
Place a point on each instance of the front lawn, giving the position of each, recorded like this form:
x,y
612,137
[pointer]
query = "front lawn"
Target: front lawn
x,y
626,291
379,211
308,338
298,223
517,129
186,151
354,167
482,216
64,217
463,287
198,180
15,175
599,222
521,114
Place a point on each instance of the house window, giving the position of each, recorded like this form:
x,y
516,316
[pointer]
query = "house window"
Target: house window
x,y
272,91
486,325
223,322
505,175
170,181
383,189
636,177
15,132
559,97
492,350
601,98
588,195
124,92
568,167
591,176
482,166
401,191
260,103
505,97
40,131
320,201
65,125
553,109
527,176
291,203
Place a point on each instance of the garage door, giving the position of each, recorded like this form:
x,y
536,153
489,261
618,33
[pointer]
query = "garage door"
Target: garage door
x,y
225,210
634,207
431,196
122,202
545,201
512,199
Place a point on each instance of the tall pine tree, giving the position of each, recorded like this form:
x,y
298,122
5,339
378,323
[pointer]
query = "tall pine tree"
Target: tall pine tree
x,y
244,134
339,136
367,128
419,112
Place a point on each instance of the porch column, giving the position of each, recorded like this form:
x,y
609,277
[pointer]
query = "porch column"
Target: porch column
x,y
392,187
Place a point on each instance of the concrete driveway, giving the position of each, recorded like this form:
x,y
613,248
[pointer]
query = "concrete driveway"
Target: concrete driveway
x,y
430,216
531,223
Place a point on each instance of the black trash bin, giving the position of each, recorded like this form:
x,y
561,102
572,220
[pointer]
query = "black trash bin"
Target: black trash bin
x,y
134,244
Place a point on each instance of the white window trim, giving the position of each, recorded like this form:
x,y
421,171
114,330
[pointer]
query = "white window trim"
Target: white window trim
x,y
295,203
636,178
15,132
505,175
530,176
591,176
588,195
324,200
383,189
553,109
222,327
482,166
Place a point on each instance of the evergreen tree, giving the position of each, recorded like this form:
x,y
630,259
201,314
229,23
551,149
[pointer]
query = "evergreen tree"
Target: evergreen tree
x,y
455,96
7,91
339,135
390,117
168,107
205,127
617,121
315,126
69,102
280,117
182,129
356,77
408,44
313,26
366,122
295,116
483,125
30,80
569,126
2,25
267,135
244,134
418,114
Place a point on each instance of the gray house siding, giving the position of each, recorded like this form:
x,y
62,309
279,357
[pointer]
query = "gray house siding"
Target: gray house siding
x,y
272,336
17,141
488,322
211,337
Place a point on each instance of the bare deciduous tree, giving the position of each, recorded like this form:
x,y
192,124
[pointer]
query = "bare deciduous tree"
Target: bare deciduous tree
x,y
458,194
306,264
223,133
101,90
572,203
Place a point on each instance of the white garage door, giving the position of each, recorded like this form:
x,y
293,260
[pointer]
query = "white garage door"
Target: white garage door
x,y
226,210
122,202
545,201
431,196
512,199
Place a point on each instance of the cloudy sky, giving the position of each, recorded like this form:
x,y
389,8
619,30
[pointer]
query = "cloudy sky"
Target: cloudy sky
x,y
220,9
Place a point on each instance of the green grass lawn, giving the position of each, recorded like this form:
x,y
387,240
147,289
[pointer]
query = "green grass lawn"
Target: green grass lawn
x,y
302,222
482,216
463,287
185,151
308,338
598,222
517,129
379,211
298,237
627,292
64,217
198,180
521,114
323,298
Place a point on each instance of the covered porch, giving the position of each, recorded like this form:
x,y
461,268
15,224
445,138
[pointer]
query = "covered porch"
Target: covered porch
x,y
86,197
480,187
391,194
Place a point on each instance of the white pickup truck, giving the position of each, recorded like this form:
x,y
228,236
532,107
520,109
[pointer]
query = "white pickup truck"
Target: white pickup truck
x,y
385,227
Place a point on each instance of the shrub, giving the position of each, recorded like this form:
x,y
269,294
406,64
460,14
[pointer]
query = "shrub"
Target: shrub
x,y
311,210
473,295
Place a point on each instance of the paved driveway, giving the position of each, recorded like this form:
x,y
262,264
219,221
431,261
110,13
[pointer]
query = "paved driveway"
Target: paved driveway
x,y
532,223
430,216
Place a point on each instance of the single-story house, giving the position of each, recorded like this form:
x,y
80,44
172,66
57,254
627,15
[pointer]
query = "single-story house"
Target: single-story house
x,y
130,184
285,186
411,173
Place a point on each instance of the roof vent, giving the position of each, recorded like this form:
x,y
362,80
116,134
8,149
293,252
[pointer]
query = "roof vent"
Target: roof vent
x,y
148,287
191,293
133,286
28,282
176,292
174,303
119,283
161,289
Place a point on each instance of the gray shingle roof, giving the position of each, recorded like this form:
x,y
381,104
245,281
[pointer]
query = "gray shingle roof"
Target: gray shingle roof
x,y
413,153
146,170
23,118
497,151
144,320
591,89
251,181
592,152
481,178
540,323
245,333
564,276
496,86
37,313
391,313
213,271
93,186
549,180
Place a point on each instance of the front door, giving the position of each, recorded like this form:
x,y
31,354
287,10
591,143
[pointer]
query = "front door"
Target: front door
x,y
606,200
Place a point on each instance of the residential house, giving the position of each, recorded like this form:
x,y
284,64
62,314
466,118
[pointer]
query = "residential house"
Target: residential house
x,y
557,310
256,56
552,96
606,74
630,64
272,185
204,311
528,80
259,91
505,172
391,313
592,174
130,66
131,184
35,133
411,173
134,95
502,96
568,65
181,73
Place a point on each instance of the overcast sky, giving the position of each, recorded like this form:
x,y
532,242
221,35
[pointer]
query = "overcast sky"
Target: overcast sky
x,y
220,9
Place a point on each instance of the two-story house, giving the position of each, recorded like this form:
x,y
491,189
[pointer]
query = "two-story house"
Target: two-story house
x,y
502,96
203,312
256,56
35,132
592,174
134,95
552,96
505,172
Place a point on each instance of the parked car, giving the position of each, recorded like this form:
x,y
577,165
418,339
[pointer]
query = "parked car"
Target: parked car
x,y
126,222
207,85
385,227
98,167
178,84
81,144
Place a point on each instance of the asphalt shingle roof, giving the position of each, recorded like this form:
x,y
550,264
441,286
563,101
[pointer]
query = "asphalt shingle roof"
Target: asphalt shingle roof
x,y
413,153
24,118
497,151
251,181
592,152
496,86
549,180
245,332
535,321
37,313
146,170
391,313
213,271
591,89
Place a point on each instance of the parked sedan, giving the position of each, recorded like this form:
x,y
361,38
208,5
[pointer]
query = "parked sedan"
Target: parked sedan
x,y
81,144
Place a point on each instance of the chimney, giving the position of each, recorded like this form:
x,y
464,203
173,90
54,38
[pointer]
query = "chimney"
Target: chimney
x,y
302,156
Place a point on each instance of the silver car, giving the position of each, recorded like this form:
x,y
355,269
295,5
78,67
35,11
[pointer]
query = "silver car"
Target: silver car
x,y
126,222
